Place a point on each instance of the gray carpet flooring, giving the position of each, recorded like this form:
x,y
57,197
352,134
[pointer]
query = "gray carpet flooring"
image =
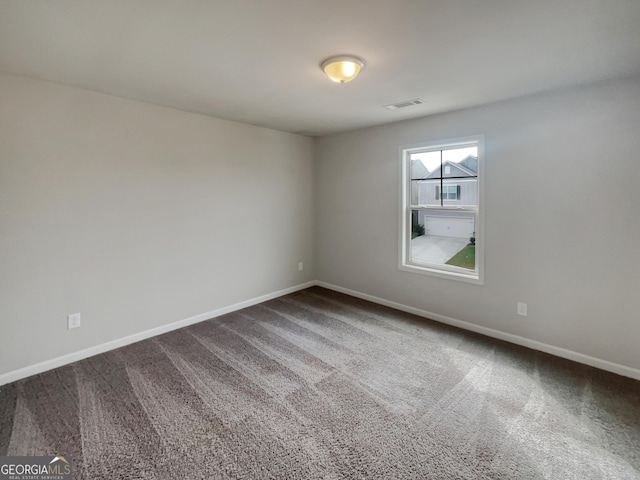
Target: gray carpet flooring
x,y
317,384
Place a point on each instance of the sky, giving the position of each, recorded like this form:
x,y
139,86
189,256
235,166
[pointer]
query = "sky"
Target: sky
x,y
431,160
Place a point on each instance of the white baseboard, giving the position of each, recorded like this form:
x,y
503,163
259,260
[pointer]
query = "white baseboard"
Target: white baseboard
x,y
490,332
136,337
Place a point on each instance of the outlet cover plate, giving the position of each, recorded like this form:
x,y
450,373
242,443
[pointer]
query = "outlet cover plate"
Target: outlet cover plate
x,y
522,309
73,321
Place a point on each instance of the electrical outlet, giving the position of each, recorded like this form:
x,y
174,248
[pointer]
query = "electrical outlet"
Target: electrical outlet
x,y
522,309
73,321
300,266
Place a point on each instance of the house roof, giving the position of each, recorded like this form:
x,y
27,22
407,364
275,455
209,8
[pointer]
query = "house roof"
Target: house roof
x,y
418,170
467,167
470,162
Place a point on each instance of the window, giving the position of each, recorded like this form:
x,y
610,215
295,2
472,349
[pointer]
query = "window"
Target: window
x,y
441,230
449,192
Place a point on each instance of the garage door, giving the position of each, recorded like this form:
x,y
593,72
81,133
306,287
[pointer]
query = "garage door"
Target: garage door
x,y
449,226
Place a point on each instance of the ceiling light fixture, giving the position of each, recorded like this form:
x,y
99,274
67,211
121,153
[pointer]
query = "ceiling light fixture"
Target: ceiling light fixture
x,y
342,69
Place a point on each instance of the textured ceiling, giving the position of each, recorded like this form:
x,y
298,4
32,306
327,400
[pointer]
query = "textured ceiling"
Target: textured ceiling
x,y
257,61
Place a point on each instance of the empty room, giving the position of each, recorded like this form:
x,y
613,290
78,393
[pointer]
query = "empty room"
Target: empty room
x,y
304,239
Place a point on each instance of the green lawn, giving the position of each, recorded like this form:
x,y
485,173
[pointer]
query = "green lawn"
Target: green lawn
x,y
465,258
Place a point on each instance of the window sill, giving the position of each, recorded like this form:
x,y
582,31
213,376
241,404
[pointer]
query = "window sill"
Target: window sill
x,y
460,276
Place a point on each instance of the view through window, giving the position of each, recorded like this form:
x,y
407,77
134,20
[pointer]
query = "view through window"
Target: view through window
x,y
441,209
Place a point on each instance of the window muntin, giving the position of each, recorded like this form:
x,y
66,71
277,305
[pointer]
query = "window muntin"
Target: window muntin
x,y
441,227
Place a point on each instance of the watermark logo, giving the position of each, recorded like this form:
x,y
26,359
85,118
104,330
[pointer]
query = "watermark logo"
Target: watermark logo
x,y
53,467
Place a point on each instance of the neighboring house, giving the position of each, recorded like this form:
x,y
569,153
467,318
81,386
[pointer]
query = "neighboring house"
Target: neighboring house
x,y
456,187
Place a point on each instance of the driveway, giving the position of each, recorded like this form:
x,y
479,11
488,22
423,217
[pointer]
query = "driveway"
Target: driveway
x,y
435,250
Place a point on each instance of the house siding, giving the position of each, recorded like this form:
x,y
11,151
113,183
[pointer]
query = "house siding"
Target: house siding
x,y
468,192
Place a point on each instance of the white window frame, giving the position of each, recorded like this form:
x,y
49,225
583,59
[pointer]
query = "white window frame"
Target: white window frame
x,y
442,271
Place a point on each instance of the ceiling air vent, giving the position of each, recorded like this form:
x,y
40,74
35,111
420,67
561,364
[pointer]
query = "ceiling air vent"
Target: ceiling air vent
x,y
406,103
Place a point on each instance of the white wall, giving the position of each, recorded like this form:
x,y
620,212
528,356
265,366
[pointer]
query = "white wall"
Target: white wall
x,y
137,216
562,214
